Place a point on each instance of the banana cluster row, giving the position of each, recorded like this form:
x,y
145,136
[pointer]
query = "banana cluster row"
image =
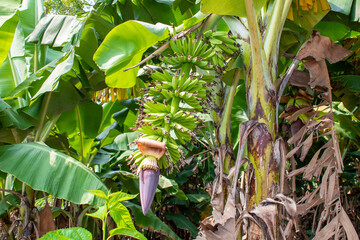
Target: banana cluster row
x,y
208,52
170,109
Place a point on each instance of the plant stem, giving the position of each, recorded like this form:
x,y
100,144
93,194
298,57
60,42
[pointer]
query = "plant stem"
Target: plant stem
x,y
81,135
49,126
273,28
224,130
260,68
46,101
261,101
273,33
211,22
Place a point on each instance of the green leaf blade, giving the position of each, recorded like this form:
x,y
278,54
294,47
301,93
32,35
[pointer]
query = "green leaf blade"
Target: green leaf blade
x,y
127,232
45,169
75,233
123,47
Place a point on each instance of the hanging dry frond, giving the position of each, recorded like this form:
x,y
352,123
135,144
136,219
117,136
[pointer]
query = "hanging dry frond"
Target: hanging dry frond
x,y
326,163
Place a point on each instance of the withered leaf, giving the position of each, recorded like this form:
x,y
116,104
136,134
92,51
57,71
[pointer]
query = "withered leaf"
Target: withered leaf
x,y
306,146
329,230
315,51
319,77
300,79
320,48
346,223
47,223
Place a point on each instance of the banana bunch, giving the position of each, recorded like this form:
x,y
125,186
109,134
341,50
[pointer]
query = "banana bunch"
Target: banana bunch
x,y
224,45
170,109
207,52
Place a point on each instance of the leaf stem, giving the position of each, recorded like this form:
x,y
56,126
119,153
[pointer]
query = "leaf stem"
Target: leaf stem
x,y
224,130
225,122
260,67
273,33
81,135
43,115
274,26
49,126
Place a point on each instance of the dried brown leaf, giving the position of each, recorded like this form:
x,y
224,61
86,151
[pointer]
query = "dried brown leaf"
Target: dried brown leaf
x,y
266,219
296,172
328,231
315,51
306,146
320,48
295,115
324,186
348,226
333,187
309,204
319,77
228,230
299,135
266,215
288,203
47,223
300,79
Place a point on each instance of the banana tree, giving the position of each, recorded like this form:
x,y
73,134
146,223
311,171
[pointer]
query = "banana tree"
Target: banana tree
x,y
257,28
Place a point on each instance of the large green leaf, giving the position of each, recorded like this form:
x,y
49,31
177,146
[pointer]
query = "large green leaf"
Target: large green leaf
x,y
31,12
127,232
7,82
13,71
7,32
123,47
123,140
171,187
75,233
121,216
350,82
62,67
149,220
82,126
101,213
348,92
229,7
57,30
7,9
334,30
45,169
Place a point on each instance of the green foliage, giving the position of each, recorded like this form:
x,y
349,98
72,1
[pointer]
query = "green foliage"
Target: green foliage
x,y
66,7
75,233
56,173
149,220
51,66
118,212
127,42
7,32
229,7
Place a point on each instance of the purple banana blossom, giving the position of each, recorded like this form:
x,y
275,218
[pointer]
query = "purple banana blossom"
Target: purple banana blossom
x,y
148,181
149,171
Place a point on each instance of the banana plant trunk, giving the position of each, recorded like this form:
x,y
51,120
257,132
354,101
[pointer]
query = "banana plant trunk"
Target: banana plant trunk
x,y
264,174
